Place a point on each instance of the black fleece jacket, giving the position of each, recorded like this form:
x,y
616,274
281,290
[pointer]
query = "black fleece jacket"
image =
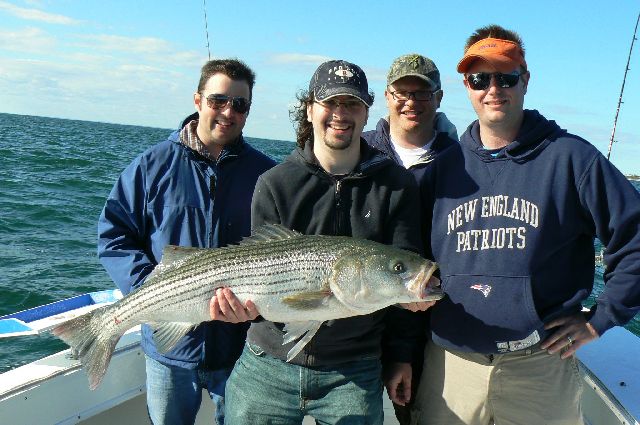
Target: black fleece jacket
x,y
379,201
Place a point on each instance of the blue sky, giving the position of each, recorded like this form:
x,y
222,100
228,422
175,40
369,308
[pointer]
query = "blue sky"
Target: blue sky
x,y
138,62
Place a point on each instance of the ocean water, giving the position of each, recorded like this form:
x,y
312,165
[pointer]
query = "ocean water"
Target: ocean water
x,y
54,178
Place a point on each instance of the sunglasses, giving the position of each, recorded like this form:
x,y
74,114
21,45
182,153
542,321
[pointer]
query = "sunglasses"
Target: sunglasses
x,y
219,101
482,80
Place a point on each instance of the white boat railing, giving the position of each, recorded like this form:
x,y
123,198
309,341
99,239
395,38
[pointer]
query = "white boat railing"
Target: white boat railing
x,y
41,319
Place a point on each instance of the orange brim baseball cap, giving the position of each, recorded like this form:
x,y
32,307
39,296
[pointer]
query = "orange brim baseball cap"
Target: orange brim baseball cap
x,y
503,55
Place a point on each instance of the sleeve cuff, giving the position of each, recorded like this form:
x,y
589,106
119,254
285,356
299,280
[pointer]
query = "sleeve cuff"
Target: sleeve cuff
x,y
599,320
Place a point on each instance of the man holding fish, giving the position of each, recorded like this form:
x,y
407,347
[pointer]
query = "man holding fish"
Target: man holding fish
x,y
332,184
330,291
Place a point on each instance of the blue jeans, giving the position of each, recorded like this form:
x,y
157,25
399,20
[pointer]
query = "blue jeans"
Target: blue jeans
x,y
174,393
264,390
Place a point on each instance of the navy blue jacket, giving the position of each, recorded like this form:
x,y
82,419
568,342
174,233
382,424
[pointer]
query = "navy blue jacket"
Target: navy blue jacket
x,y
172,195
380,138
513,235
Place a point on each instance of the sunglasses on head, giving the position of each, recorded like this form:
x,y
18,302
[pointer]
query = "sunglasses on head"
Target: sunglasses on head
x,y
219,101
482,80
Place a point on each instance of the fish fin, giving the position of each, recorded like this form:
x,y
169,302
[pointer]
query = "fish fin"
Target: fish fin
x,y
307,300
167,334
172,254
88,341
270,232
295,330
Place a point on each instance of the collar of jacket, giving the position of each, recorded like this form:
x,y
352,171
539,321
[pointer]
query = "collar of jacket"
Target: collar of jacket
x,y
383,143
535,133
382,139
229,150
371,160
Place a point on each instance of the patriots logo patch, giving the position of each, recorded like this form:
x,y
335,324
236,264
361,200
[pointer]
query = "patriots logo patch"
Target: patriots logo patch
x,y
485,289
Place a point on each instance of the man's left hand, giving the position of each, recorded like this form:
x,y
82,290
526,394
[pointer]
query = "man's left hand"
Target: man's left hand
x,y
571,332
397,380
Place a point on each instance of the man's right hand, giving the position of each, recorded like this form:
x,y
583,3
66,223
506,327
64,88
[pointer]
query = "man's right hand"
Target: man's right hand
x,y
226,307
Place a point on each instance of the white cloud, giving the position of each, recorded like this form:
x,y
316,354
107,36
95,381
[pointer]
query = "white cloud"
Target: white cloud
x,y
36,15
98,89
117,43
141,49
26,40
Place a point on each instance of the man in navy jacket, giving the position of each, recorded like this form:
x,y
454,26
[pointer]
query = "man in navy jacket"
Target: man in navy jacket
x,y
193,189
516,207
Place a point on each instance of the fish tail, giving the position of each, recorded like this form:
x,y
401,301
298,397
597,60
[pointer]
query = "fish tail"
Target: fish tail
x,y
91,341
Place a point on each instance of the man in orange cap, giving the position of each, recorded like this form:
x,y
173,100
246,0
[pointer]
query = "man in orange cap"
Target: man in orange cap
x,y
516,207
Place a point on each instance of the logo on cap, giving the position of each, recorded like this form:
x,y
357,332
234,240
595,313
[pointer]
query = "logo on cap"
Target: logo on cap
x,y
344,73
340,78
487,46
416,61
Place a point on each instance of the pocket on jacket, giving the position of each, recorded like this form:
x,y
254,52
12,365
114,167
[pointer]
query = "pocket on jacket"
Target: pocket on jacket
x,y
486,314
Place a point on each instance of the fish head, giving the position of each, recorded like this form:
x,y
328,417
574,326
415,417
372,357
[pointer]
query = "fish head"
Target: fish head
x,y
384,276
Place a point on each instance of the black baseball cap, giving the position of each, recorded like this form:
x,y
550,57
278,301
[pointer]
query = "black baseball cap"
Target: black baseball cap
x,y
340,78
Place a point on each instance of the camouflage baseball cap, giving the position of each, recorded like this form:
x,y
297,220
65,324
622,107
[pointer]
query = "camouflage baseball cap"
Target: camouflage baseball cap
x,y
414,65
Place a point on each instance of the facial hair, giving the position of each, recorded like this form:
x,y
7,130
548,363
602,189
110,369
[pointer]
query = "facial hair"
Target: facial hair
x,y
337,142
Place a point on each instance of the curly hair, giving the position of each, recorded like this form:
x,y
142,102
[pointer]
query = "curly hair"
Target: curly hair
x,y
232,68
298,115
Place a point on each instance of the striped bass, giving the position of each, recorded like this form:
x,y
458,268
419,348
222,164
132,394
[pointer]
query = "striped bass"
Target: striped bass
x,y
292,278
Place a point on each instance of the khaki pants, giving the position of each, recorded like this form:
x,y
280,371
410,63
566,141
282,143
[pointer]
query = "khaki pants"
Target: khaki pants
x,y
527,387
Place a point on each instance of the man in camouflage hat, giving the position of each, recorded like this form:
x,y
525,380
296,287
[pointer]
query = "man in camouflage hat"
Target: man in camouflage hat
x,y
412,135
413,131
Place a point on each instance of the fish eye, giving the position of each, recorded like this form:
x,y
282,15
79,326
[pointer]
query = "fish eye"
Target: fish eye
x,y
398,267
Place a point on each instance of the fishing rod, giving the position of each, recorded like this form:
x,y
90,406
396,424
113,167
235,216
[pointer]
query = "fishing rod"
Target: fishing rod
x,y
206,27
615,120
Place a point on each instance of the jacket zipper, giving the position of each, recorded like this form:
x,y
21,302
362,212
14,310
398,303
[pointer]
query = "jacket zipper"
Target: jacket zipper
x,y
213,182
338,205
338,208
212,197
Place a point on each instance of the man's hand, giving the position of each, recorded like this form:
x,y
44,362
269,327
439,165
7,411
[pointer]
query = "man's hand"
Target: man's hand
x,y
226,307
421,306
397,380
570,331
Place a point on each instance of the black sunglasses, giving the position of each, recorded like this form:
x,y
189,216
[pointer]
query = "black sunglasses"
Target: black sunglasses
x,y
482,80
219,101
